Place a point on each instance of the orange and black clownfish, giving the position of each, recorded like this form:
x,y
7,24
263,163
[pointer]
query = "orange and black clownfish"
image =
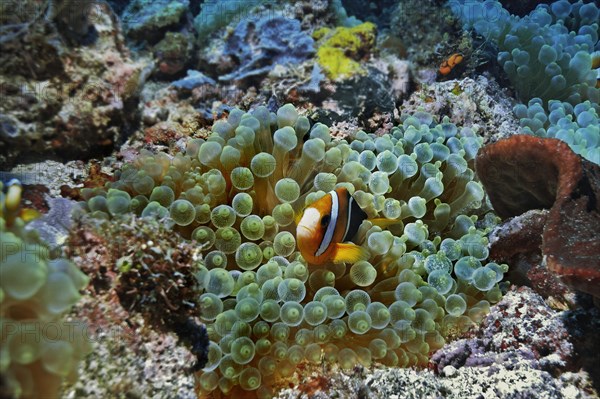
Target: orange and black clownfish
x,y
12,204
325,227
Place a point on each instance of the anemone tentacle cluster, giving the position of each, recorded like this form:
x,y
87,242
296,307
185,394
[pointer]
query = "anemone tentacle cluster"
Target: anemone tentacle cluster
x,y
547,54
578,126
551,57
38,349
237,194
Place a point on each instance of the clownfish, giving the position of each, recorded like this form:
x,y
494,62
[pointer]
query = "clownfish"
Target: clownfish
x,y
12,204
449,63
325,226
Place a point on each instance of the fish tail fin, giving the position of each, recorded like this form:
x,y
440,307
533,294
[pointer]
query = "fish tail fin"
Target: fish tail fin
x,y
28,214
349,253
384,222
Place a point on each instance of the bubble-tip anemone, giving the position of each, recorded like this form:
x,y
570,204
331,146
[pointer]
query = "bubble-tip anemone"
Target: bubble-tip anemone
x,y
38,350
265,307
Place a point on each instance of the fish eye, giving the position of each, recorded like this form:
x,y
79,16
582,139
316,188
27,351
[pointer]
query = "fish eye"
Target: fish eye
x,y
325,220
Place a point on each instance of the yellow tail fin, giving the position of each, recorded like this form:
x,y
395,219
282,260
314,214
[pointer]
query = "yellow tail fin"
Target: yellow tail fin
x,y
349,253
384,222
28,214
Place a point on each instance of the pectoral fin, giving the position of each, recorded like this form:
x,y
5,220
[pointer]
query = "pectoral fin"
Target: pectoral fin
x,y
349,253
28,214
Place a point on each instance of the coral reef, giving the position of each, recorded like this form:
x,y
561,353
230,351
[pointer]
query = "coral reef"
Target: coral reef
x,y
183,256
50,174
65,101
155,270
236,194
186,105
526,172
193,80
129,357
479,103
438,33
379,13
518,242
39,349
548,57
215,14
522,330
174,53
53,227
519,324
362,97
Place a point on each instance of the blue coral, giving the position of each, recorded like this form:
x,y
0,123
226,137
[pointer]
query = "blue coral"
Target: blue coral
x,y
217,14
275,40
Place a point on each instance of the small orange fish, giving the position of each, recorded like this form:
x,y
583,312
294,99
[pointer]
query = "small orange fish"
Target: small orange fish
x,y
12,204
326,225
449,64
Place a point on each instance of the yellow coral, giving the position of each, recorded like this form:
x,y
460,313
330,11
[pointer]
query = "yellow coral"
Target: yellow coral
x,y
320,33
342,48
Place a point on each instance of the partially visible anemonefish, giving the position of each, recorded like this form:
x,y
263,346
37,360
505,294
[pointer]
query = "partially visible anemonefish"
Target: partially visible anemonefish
x,y
325,227
12,204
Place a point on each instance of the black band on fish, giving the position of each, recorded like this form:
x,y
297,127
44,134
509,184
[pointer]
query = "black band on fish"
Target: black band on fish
x,y
355,217
350,201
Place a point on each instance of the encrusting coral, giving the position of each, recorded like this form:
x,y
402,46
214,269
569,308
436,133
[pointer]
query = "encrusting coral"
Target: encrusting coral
x,y
526,172
237,195
341,49
38,350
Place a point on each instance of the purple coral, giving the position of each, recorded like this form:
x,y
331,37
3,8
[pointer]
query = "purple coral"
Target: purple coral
x,y
259,44
520,327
